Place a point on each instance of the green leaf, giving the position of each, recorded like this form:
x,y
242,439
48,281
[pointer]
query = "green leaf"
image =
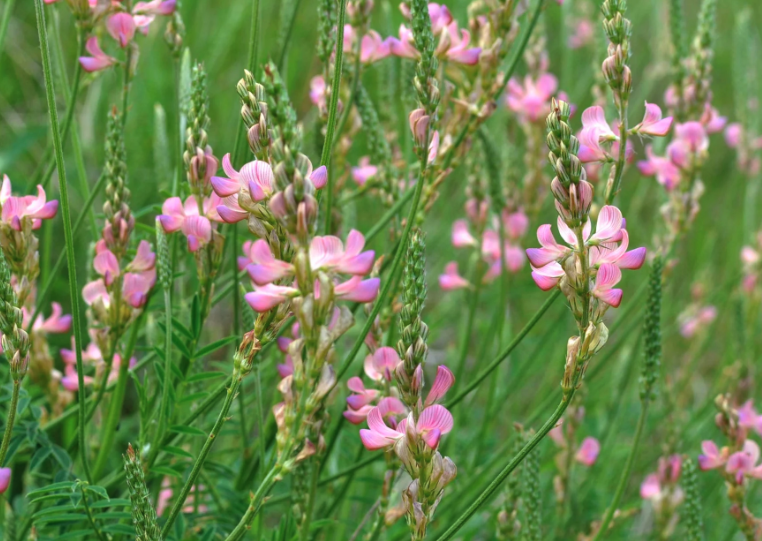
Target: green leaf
x,y
113,502
192,397
54,509
203,376
76,534
39,457
189,430
119,528
62,517
115,515
61,456
63,485
177,451
196,316
95,489
214,346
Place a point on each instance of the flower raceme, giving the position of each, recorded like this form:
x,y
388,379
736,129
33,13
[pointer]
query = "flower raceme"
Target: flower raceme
x,y
327,254
607,250
136,283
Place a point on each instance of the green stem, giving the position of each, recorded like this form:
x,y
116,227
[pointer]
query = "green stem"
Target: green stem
x,y
7,10
66,218
613,188
256,504
10,421
625,473
286,36
325,157
221,418
108,430
512,465
507,351
167,386
43,292
465,339
90,517
304,533
352,91
398,257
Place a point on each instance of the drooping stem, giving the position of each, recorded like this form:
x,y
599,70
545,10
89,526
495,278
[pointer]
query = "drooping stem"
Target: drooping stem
x,y
10,421
207,447
66,219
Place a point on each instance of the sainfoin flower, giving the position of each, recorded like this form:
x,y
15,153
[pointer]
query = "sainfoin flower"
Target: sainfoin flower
x,y
57,323
98,60
712,457
15,209
588,451
691,324
596,131
661,488
531,100
179,216
743,463
122,28
364,171
136,283
451,279
653,123
608,254
5,479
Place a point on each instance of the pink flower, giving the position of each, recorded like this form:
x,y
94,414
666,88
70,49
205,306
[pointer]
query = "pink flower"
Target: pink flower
x,y
744,463
403,47
442,383
733,134
748,417
667,173
156,7
516,224
5,479
588,452
359,404
532,100
373,48
267,297
610,252
255,176
650,488
595,130
381,364
652,123
693,136
329,253
461,237
380,435
358,290
179,216
451,279
433,422
364,171
691,325
35,208
712,457
98,60
550,251
454,45
712,120
608,276
318,91
122,27
56,323
583,34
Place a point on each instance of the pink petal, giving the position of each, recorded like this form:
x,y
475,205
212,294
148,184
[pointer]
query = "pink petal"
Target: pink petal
x,y
588,452
224,186
358,290
372,440
121,26
650,488
442,383
319,177
609,223
633,259
461,237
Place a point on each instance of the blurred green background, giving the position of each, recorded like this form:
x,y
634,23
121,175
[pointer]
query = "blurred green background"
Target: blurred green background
x,y
526,389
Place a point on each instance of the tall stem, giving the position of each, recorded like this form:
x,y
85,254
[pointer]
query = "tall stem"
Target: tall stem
x,y
256,504
66,218
10,421
512,465
612,189
221,418
625,473
465,339
167,384
325,157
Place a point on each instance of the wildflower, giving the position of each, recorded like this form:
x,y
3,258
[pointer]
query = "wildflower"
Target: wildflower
x,y
661,488
135,286
98,60
372,47
748,417
16,209
5,479
588,452
691,324
652,123
712,457
451,279
364,171
318,92
531,101
583,34
179,216
56,323
122,28
743,463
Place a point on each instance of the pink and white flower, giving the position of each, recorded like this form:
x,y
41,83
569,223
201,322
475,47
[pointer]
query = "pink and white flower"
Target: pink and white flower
x,y
364,171
185,217
531,100
122,28
451,279
98,60
16,209
652,123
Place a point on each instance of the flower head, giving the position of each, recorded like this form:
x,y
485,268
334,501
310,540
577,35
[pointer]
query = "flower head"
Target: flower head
x,y
98,60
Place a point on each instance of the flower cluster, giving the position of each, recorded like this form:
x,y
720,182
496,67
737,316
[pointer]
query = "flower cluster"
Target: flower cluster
x,y
738,461
697,316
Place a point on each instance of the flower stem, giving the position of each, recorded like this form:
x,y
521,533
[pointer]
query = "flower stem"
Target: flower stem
x,y
7,10
256,504
512,465
612,189
221,418
166,387
325,157
625,473
465,339
503,355
66,218
10,421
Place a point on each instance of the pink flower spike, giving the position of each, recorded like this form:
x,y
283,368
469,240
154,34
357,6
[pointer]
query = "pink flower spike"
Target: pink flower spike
x,y
5,479
608,276
358,290
693,135
267,297
461,237
653,124
442,383
588,452
265,268
547,277
451,280
434,422
122,28
98,60
712,458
